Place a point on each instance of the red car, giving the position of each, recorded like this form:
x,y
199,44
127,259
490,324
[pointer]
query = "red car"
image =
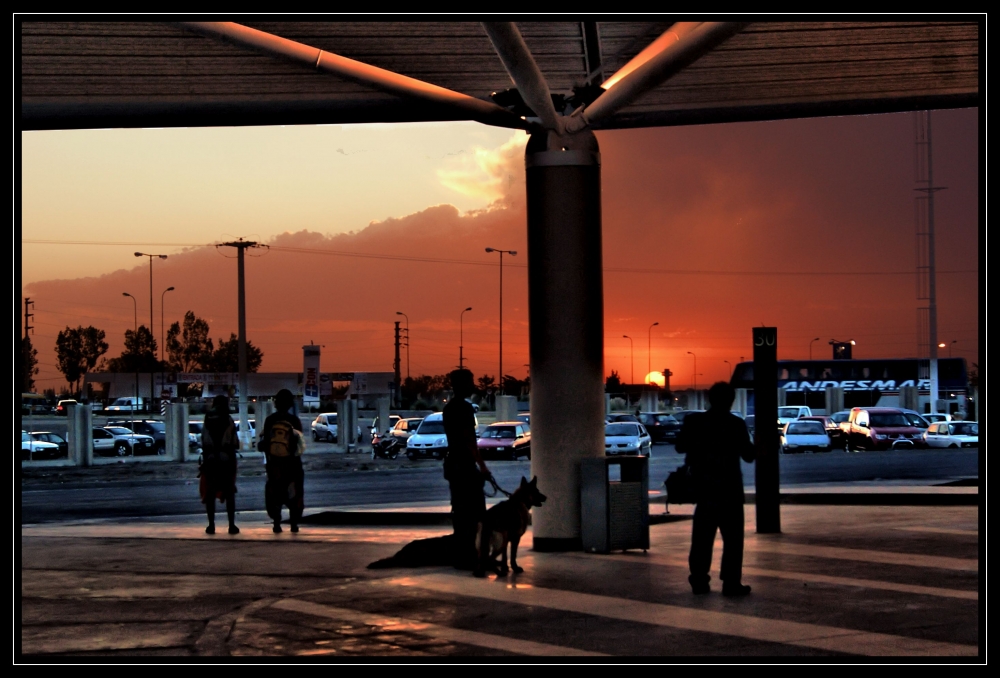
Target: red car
x,y
880,428
505,440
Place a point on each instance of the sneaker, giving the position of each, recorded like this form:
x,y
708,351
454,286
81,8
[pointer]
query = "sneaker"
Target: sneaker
x,y
210,529
233,529
276,529
737,590
295,528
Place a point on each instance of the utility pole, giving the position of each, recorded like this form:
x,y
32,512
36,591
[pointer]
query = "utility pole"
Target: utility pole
x,y
27,315
395,364
926,271
241,246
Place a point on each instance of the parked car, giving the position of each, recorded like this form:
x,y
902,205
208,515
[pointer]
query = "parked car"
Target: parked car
x,y
377,429
132,443
625,437
680,414
916,419
938,416
804,436
611,418
127,405
837,437
153,428
662,427
62,407
194,429
750,420
429,440
404,428
55,439
324,427
37,449
880,428
106,445
953,434
791,413
505,440
524,418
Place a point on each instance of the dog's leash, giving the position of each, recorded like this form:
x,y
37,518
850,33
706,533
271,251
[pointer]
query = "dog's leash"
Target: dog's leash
x,y
496,488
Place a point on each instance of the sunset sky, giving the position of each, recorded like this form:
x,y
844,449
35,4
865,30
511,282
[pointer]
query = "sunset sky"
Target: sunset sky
x,y
708,230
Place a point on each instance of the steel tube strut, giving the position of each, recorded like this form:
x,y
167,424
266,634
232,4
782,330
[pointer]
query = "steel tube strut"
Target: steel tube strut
x,y
523,70
362,73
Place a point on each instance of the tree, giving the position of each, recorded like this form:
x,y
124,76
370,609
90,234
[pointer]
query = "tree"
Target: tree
x,y
139,354
226,357
29,365
77,352
613,384
189,349
485,382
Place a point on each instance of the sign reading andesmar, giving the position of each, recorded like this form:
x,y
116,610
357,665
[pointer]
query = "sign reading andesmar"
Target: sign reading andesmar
x,y
883,385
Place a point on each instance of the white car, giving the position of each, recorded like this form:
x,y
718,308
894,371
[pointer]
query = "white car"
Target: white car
x,y
805,436
37,449
791,413
429,440
953,434
626,437
127,442
105,443
324,427
938,417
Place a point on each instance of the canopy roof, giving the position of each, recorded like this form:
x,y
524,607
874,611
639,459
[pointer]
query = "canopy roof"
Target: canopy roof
x,y
148,74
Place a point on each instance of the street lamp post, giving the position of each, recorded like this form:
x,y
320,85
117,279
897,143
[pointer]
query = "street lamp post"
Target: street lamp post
x,y
730,369
632,354
942,345
151,335
811,348
407,342
513,254
135,337
649,350
695,373
163,331
461,338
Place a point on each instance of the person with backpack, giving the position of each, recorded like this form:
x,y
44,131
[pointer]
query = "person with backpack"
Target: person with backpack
x,y
282,443
218,465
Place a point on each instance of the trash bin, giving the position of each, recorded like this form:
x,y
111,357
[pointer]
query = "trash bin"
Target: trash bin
x,y
614,504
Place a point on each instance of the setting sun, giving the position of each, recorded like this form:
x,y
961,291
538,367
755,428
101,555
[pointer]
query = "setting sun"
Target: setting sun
x,y
656,378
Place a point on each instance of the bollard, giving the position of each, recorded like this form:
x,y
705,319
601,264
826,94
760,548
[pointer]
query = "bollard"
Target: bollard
x,y
79,434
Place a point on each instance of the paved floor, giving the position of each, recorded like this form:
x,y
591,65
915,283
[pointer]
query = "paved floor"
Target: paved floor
x,y
858,581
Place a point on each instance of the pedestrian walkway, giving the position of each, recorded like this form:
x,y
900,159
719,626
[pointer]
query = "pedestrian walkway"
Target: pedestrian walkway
x,y
857,581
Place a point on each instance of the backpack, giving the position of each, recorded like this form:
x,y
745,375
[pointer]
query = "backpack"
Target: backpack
x,y
282,441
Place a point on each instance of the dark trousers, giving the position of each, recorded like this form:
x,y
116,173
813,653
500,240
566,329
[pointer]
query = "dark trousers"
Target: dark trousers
x,y
727,518
468,506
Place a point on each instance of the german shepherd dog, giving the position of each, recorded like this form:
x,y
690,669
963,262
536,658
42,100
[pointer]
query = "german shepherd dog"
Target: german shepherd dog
x,y
506,523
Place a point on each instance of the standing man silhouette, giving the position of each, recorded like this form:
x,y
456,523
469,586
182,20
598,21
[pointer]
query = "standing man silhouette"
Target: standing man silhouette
x,y
465,472
714,442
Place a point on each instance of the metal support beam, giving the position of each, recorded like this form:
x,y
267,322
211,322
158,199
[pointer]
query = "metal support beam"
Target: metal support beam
x,y
378,78
566,326
523,70
664,58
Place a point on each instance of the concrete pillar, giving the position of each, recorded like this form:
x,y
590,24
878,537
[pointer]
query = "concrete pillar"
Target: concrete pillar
x,y
909,397
347,424
79,434
650,401
506,408
382,413
177,431
566,326
782,397
835,399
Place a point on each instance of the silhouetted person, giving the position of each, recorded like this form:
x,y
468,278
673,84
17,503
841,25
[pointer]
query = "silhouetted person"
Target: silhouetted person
x,y
219,445
465,472
280,442
714,441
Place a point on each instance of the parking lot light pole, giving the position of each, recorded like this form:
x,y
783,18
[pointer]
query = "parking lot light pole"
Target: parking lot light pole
x,y
730,369
135,338
811,348
649,350
632,354
461,338
695,373
513,254
151,335
163,332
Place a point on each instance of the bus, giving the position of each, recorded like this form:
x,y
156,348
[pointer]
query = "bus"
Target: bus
x,y
866,383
